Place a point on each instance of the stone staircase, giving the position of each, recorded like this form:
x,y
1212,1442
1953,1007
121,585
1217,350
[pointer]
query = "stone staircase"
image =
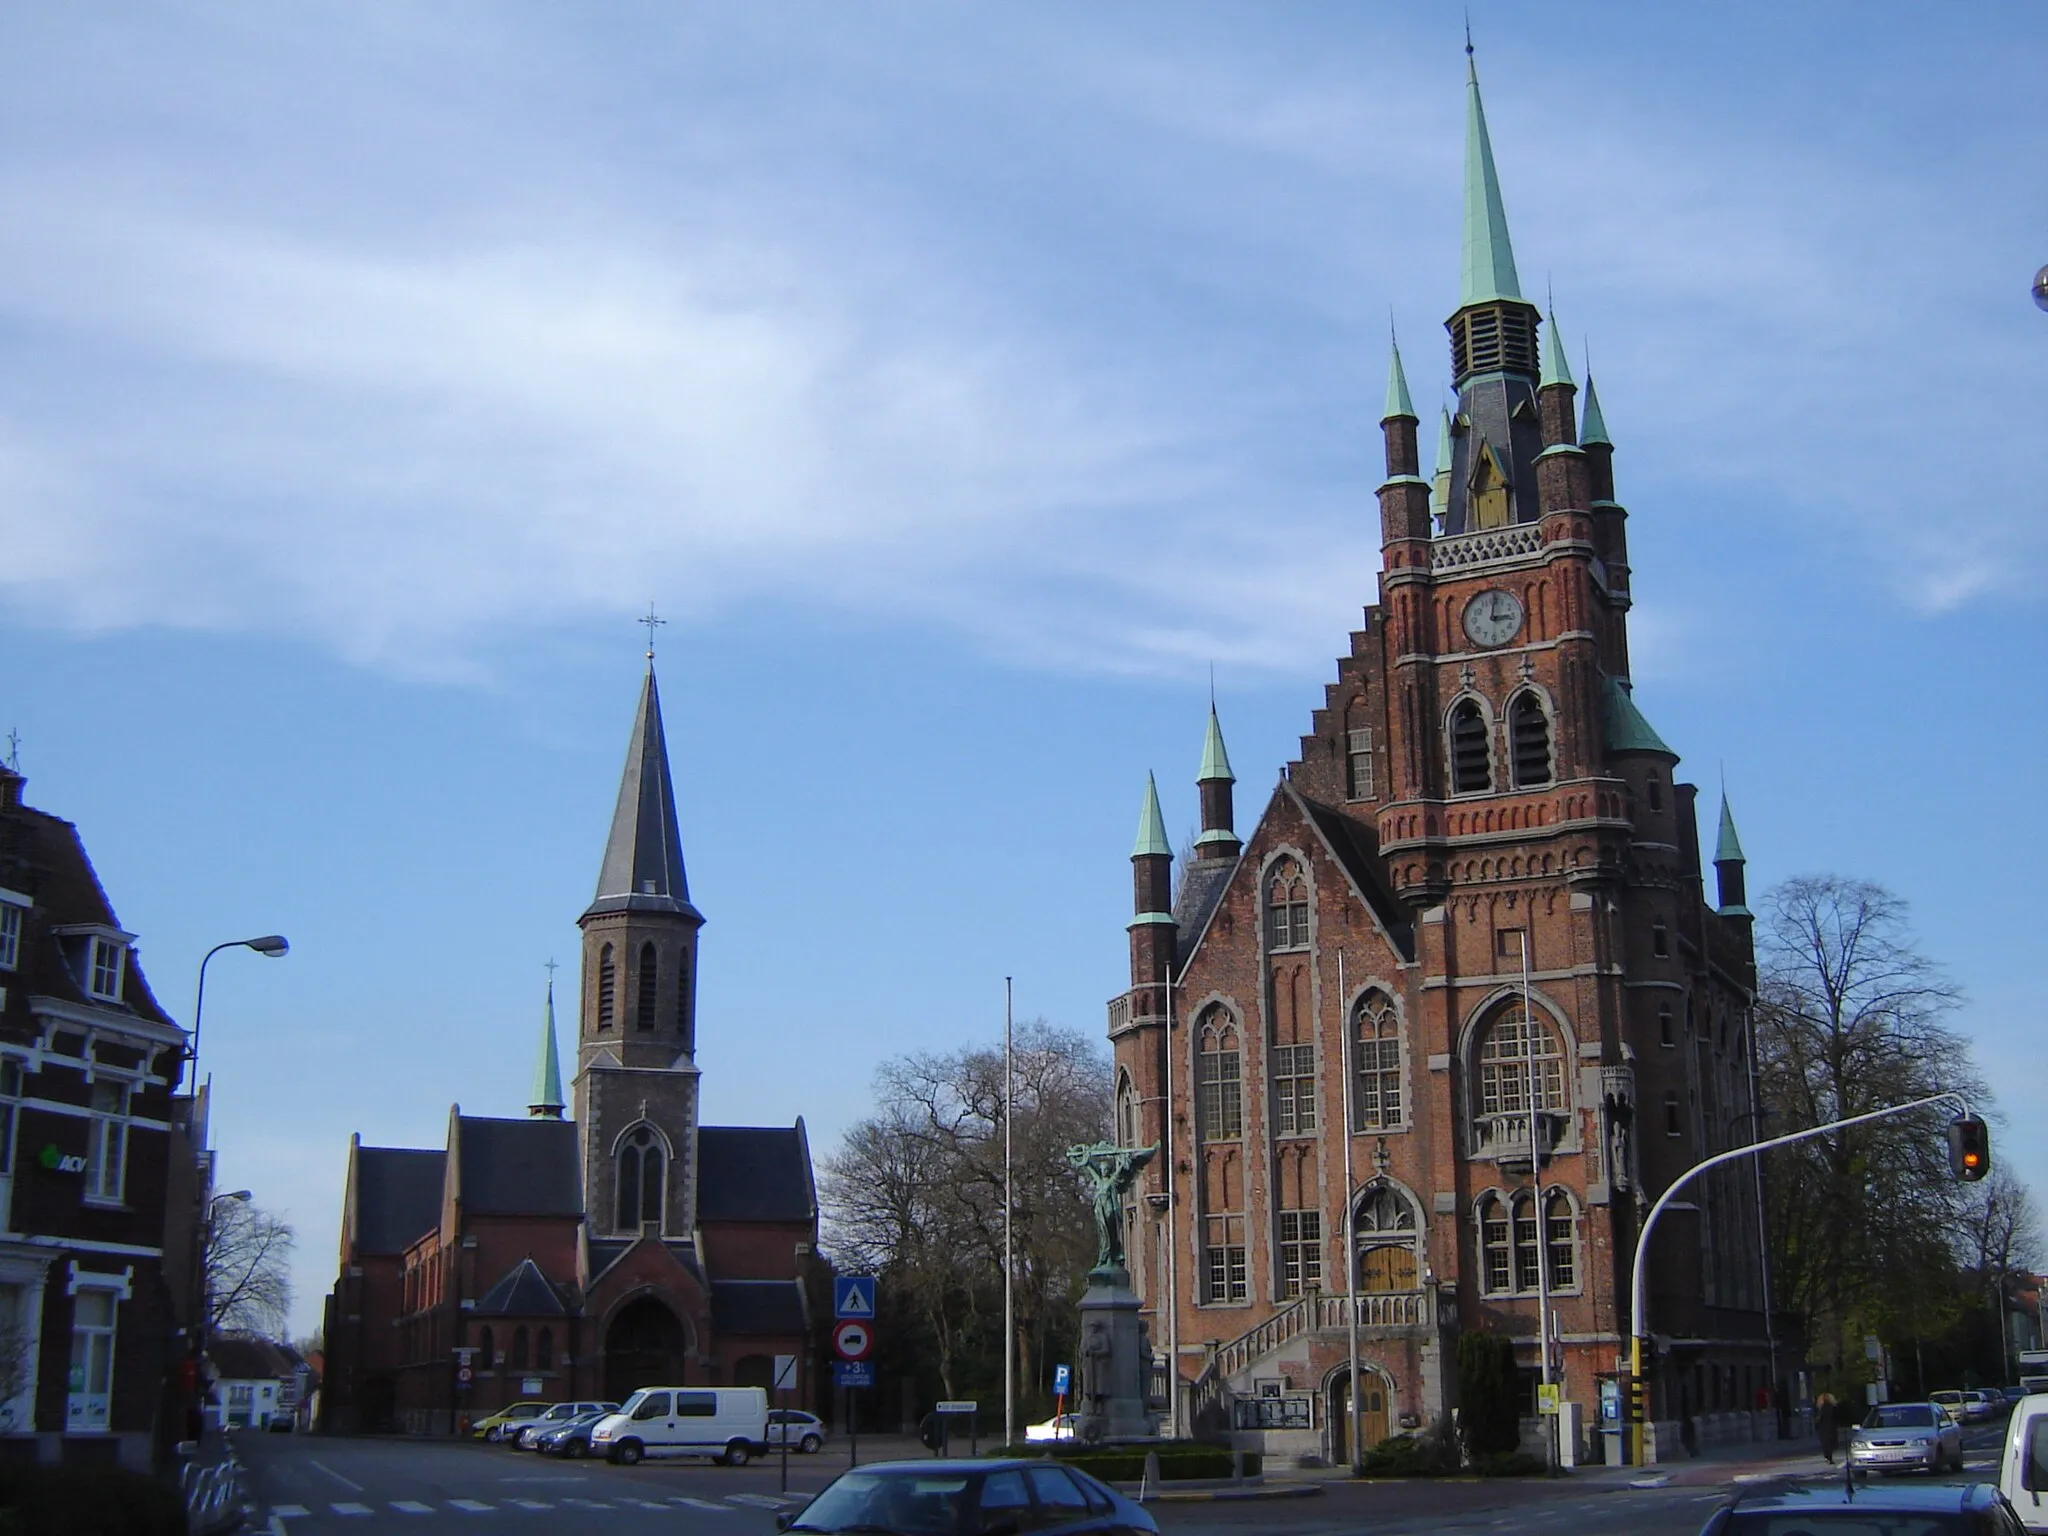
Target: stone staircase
x,y
1392,1311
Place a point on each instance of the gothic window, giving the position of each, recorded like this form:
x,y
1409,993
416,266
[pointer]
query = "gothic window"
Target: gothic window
x,y
1660,939
1529,733
639,1178
1224,1276
1526,1258
488,1360
1219,1089
1376,1064
1126,1112
518,1361
1505,1063
1385,1232
1301,1253
544,1350
1358,763
1493,1245
607,987
1286,907
1665,1036
1294,1090
1471,762
650,979
1560,1225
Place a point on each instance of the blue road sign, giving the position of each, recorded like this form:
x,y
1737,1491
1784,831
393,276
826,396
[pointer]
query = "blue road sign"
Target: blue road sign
x,y
1061,1378
853,1373
853,1296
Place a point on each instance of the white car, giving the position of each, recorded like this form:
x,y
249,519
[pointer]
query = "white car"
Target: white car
x,y
1065,1427
803,1431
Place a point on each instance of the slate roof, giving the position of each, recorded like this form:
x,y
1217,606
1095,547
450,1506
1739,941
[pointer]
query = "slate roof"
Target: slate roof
x,y
522,1291
518,1167
397,1194
757,1306
1358,851
1201,887
643,856
754,1173
238,1359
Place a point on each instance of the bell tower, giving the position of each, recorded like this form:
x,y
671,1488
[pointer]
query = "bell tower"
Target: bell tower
x,y
636,1070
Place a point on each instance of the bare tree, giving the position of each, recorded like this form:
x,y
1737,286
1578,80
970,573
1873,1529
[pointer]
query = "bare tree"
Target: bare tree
x,y
248,1269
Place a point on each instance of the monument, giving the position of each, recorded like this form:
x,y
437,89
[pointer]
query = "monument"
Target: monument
x,y
1114,1400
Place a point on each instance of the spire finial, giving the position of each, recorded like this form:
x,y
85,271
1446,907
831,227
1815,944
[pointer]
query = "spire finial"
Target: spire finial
x,y
1215,761
13,750
1592,425
652,624
1489,265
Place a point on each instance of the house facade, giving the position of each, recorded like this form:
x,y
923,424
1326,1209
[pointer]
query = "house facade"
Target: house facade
x,y
563,1256
1424,1043
90,1313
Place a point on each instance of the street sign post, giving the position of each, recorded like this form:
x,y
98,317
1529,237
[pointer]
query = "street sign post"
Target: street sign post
x,y
853,1304
853,1373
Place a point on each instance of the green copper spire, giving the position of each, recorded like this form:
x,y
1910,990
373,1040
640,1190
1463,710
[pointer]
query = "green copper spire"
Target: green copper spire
x,y
1151,826
1489,269
1398,403
1215,761
1555,369
1592,425
546,1103
1728,847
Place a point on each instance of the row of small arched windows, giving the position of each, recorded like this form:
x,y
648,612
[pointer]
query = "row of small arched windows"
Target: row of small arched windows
x,y
515,1356
647,996
1472,746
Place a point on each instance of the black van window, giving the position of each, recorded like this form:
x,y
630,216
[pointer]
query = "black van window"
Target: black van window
x,y
652,1406
696,1405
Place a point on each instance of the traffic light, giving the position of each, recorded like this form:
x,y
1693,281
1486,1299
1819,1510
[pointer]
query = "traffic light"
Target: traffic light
x,y
1969,1148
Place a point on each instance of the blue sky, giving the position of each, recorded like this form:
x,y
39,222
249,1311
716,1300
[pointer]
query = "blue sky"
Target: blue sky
x,y
963,383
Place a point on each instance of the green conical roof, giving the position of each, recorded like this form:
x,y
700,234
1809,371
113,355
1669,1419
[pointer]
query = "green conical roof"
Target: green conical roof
x,y
1151,826
1398,403
1215,761
547,1072
1592,425
1555,369
1443,442
1728,847
1489,266
1627,730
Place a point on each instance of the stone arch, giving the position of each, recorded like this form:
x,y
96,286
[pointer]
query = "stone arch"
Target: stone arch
x,y
645,1345
1376,1400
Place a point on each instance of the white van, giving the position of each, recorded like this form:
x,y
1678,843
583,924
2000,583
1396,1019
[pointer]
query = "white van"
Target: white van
x,y
2023,1469
728,1424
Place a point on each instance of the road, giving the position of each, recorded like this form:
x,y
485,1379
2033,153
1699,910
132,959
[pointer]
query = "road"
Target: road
x,y
314,1486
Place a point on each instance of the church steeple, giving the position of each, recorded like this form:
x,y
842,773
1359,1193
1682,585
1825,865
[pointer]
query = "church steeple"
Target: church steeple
x,y
643,856
1489,266
545,1103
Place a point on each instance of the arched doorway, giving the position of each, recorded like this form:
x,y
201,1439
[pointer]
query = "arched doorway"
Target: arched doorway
x,y
644,1347
1372,1412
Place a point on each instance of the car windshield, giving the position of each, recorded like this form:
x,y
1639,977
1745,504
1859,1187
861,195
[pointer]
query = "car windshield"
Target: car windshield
x,y
915,1503
1900,1416
1848,1520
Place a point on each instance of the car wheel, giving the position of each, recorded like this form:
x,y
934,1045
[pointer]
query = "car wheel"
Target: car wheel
x,y
811,1445
627,1454
493,1435
576,1450
737,1454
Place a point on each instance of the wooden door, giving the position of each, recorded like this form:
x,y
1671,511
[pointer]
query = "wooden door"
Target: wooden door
x,y
1387,1268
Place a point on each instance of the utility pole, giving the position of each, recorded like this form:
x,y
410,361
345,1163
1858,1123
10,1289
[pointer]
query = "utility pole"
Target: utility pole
x,y
1009,1241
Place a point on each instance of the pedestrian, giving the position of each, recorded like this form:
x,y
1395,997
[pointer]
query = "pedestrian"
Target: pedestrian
x,y
1826,1426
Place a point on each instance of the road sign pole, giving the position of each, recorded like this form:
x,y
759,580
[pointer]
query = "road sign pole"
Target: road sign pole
x,y
853,1426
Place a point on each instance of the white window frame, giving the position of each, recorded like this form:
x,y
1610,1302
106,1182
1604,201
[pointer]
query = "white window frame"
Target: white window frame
x,y
11,923
106,1156
105,958
87,1411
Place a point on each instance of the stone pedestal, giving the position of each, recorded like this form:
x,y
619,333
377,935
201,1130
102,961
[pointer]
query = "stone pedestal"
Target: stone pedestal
x,y
1116,1363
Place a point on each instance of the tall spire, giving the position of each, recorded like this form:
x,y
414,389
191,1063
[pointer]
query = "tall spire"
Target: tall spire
x,y
546,1100
1731,878
1556,370
1151,826
1489,268
1592,425
643,856
1727,846
1398,403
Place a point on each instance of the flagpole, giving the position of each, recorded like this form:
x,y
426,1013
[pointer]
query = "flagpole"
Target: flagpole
x,y
1542,1216
1009,1242
1350,1221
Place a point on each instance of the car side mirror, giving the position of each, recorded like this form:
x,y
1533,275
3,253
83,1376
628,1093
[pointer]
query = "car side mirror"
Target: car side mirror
x,y
784,1521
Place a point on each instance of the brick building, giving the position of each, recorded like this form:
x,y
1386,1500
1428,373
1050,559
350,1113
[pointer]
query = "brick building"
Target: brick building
x,y
90,1312
1329,1025
583,1257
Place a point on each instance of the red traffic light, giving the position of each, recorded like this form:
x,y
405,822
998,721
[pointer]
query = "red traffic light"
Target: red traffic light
x,y
1969,1148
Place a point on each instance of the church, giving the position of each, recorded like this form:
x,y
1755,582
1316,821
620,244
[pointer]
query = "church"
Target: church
x,y
561,1256
1422,1045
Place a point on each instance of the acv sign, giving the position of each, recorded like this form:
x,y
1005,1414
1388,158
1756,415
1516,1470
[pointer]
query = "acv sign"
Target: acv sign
x,y
61,1162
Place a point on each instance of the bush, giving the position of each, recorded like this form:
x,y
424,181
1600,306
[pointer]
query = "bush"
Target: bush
x,y
1489,1412
1426,1455
86,1501
1179,1460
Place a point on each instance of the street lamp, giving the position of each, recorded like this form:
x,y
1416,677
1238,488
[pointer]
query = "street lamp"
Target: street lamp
x,y
275,945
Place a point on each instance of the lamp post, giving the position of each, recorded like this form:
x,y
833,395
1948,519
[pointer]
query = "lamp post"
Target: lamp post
x,y
274,945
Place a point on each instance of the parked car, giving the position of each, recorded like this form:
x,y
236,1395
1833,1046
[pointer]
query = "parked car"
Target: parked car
x,y
493,1428
1980,1407
2023,1465
521,1437
282,1421
1939,1509
804,1431
1060,1427
570,1438
1902,1436
2012,1395
1951,1399
939,1498
728,1424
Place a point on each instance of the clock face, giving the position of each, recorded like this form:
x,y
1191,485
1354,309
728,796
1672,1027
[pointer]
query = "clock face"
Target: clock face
x,y
1493,617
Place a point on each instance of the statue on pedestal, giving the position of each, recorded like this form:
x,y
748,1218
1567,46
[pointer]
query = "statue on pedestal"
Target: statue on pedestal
x,y
1111,1171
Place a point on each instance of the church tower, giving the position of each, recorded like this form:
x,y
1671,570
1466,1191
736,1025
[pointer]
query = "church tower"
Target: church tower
x,y
636,1071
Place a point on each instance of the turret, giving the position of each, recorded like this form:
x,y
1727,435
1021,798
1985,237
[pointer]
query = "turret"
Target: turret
x,y
1404,497
545,1102
1218,839
1153,936
1729,876
1561,466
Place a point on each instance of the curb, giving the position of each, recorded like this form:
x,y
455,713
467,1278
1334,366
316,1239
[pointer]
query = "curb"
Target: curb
x,y
1235,1495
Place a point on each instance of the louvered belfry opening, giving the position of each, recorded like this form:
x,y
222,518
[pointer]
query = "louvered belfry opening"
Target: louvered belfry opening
x,y
1471,771
1493,338
1530,729
650,980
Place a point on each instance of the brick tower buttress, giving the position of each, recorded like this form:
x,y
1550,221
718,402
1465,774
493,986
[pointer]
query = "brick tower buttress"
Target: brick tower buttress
x,y
636,1039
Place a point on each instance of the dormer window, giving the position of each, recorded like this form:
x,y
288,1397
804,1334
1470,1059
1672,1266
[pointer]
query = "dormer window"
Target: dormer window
x,y
103,980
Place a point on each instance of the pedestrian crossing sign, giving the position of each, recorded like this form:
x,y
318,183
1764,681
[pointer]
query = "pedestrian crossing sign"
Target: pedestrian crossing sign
x,y
853,1296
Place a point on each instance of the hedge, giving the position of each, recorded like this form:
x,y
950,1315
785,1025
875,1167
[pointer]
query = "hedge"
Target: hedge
x,y
1179,1460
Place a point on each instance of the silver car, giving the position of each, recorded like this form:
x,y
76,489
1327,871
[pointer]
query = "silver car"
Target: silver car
x,y
1906,1437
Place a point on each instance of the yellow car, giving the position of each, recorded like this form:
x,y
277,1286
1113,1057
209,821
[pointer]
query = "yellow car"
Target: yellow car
x,y
508,1420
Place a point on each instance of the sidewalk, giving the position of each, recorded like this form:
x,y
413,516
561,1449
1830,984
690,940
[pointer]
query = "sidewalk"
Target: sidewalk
x,y
1753,1461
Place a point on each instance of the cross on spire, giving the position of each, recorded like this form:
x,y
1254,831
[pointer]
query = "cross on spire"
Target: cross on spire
x,y
551,967
652,624
14,749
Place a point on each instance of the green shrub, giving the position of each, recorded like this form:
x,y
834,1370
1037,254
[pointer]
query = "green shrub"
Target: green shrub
x,y
1179,1460
1509,1464
87,1501
1489,1411
1409,1456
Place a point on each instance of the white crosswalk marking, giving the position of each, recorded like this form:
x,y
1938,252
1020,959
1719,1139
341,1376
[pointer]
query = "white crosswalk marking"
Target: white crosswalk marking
x,y
530,1504
642,1504
351,1509
716,1509
587,1503
758,1500
288,1511
470,1506
411,1507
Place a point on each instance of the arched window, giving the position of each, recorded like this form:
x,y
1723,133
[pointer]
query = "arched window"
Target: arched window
x,y
1386,1232
486,1359
607,987
1560,1231
1660,939
1506,1053
639,1179
1525,1241
1529,733
519,1348
683,996
650,979
1471,762
1286,906
544,1350
1219,1079
1376,1064
1665,1036
1126,1112
1493,1245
